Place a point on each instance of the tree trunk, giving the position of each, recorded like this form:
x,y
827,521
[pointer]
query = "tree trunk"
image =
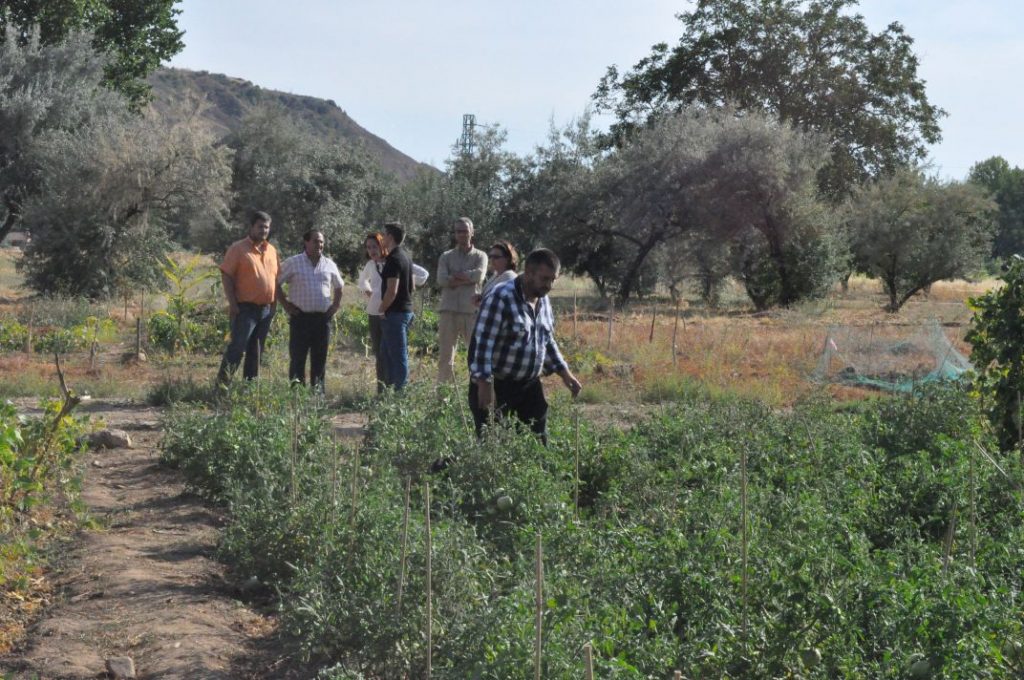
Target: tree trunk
x,y
13,213
629,282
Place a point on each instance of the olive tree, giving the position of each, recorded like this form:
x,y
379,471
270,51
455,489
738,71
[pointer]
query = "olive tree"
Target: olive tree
x,y
704,176
910,230
44,88
281,166
108,196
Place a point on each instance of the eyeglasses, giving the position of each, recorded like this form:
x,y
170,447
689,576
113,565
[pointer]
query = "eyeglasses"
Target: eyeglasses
x,y
461,231
495,256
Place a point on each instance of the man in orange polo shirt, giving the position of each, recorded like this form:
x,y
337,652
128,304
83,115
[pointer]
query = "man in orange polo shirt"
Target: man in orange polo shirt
x,y
249,274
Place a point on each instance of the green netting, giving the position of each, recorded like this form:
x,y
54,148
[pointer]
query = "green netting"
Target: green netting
x,y
889,358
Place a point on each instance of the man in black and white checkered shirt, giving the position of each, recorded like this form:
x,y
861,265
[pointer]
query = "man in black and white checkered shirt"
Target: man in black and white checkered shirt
x,y
514,344
314,295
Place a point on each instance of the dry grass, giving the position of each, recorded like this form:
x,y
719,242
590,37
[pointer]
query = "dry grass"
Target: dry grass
x,y
733,350
768,356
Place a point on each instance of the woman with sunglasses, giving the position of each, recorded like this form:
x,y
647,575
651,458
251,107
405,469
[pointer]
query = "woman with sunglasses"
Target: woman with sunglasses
x,y
369,283
503,260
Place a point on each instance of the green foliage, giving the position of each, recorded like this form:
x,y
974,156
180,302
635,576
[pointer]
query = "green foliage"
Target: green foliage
x,y
996,336
110,192
78,337
282,167
36,456
191,324
43,89
138,35
13,335
847,526
811,64
910,230
1006,185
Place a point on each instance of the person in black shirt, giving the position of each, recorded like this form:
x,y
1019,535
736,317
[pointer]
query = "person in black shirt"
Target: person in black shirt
x,y
396,307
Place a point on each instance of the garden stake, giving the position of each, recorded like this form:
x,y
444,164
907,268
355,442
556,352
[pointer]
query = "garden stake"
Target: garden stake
x,y
355,491
654,315
743,538
575,334
974,509
675,332
28,336
588,662
947,548
539,619
294,450
611,317
576,487
678,675
430,629
405,543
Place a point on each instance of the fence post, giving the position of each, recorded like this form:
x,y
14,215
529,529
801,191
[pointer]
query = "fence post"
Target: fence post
x,y
588,662
430,603
539,618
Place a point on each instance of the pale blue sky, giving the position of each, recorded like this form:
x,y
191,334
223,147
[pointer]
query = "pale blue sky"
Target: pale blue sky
x,y
407,70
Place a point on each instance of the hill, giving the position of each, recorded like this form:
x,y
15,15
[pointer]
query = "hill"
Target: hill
x,y
230,99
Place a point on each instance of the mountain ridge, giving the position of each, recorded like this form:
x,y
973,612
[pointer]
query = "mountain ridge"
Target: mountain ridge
x,y
229,98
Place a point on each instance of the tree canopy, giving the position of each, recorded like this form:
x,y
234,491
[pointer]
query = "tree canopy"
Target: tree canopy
x,y
812,64
1006,185
43,89
910,231
137,34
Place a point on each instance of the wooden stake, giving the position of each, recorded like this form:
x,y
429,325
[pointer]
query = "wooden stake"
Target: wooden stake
x,y
678,675
611,317
947,548
744,539
405,543
430,612
575,333
576,487
654,315
675,333
588,662
974,508
539,619
138,337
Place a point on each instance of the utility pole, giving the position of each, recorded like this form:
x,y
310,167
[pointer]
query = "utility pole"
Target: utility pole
x,y
468,140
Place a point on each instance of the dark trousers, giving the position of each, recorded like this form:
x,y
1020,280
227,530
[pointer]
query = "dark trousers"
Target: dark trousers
x,y
249,331
522,398
310,335
375,333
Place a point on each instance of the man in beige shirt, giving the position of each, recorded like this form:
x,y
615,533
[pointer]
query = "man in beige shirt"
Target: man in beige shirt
x,y
460,273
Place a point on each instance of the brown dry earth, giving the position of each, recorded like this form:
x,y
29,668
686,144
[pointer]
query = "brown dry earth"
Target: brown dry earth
x,y
146,585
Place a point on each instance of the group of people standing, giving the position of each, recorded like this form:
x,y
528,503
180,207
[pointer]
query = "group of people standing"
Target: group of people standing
x,y
506,321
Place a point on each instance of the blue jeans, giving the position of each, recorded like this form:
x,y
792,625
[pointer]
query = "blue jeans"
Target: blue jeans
x,y
394,348
248,335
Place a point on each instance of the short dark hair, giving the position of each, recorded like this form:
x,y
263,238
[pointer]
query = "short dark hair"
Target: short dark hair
x,y
259,216
309,234
542,256
396,231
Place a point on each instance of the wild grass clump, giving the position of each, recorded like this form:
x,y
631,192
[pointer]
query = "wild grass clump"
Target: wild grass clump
x,y
716,535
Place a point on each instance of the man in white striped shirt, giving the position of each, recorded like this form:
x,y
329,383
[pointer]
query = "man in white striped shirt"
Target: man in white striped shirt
x,y
313,296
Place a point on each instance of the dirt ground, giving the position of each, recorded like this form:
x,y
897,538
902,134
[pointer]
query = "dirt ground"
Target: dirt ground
x,y
146,585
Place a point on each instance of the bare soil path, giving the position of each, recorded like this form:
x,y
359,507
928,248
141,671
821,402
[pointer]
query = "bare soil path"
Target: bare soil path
x,y
146,585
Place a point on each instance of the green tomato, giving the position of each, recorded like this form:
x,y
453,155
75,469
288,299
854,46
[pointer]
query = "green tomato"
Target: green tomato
x,y
504,503
920,669
810,657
